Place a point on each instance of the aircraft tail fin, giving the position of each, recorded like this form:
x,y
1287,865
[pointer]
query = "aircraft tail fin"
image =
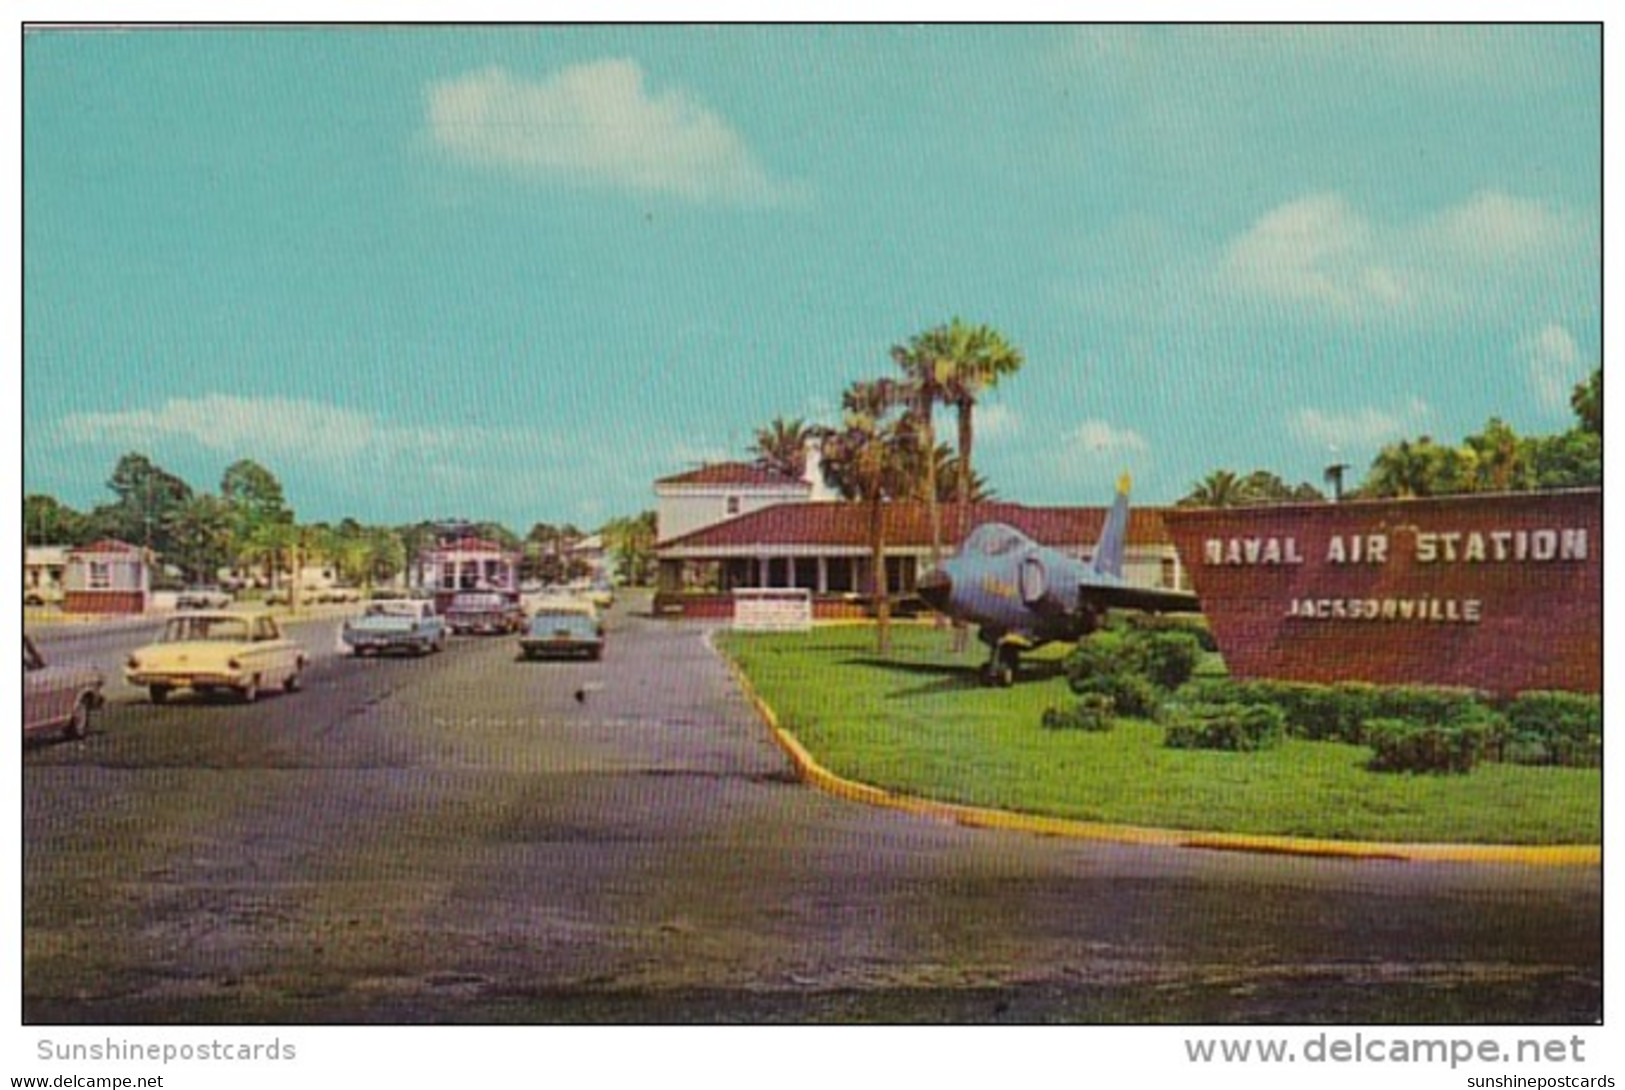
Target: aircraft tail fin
x,y
1109,549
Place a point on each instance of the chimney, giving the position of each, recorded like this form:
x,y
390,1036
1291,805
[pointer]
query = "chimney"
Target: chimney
x,y
813,474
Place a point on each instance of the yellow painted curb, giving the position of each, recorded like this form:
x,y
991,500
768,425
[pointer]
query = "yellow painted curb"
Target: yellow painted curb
x,y
811,772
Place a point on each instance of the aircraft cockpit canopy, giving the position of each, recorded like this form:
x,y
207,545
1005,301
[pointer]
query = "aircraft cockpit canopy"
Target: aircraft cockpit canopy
x,y
995,539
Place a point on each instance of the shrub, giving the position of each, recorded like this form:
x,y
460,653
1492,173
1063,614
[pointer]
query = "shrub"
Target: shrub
x,y
1234,727
1405,745
1131,694
1092,712
1103,654
1426,703
1161,622
1168,658
1338,713
1554,728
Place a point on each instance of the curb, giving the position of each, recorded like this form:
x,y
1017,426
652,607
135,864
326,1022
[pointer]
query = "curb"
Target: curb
x,y
977,817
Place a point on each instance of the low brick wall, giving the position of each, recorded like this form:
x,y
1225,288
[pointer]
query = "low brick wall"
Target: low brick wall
x,y
105,601
720,607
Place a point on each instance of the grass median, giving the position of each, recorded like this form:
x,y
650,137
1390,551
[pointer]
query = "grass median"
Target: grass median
x,y
921,723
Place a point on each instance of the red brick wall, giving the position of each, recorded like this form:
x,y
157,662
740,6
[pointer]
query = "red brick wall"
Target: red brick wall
x,y
104,601
1520,624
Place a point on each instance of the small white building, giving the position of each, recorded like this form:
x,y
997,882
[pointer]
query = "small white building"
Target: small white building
x,y
44,569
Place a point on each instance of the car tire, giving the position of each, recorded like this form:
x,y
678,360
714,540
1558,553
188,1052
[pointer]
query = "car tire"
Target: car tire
x,y
295,680
78,724
250,691
158,693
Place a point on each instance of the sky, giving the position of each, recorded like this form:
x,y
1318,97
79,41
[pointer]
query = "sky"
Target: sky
x,y
520,273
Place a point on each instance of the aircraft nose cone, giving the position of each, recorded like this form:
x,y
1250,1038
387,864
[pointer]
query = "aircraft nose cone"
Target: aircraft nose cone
x,y
935,588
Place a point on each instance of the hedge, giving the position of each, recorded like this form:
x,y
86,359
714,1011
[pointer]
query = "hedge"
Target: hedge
x,y
1236,727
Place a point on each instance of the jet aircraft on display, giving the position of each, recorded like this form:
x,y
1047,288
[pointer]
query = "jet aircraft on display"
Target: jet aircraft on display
x,y
1021,594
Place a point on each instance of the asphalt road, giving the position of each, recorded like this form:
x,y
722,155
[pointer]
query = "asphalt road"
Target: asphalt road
x,y
466,837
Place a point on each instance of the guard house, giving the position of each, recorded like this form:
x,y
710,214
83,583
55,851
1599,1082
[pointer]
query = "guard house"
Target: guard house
x,y
107,577
44,569
463,564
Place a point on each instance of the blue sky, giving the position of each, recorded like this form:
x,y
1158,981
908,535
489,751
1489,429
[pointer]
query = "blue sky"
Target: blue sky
x,y
520,273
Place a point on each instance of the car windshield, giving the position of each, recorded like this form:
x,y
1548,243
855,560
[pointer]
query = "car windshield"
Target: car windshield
x,y
205,628
392,609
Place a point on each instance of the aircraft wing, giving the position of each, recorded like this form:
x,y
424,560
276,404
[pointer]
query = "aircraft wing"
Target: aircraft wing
x,y
1149,599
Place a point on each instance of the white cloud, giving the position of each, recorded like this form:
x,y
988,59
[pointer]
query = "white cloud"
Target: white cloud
x,y
1359,429
284,429
1098,439
992,421
598,124
1556,365
1090,452
1319,254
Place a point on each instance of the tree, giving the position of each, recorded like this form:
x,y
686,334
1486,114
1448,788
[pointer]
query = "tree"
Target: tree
x,y
147,495
982,358
1587,402
782,446
199,535
872,458
924,362
1263,487
47,521
950,489
254,497
1221,488
1570,460
632,541
1498,459
271,546
1409,469
952,365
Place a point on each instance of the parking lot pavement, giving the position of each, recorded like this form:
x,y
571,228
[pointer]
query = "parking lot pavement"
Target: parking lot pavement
x,y
466,836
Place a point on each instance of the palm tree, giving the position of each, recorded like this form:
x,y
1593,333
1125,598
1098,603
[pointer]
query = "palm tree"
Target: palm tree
x,y
922,362
782,446
980,359
269,544
948,469
872,457
1221,488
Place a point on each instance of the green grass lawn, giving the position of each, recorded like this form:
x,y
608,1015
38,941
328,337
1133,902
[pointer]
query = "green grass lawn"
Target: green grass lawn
x,y
920,723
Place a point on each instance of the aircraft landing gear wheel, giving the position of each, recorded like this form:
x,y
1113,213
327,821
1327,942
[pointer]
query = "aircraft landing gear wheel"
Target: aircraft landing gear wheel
x,y
1004,667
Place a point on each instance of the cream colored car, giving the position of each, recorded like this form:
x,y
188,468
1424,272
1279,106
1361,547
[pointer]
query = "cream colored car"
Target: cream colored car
x,y
209,651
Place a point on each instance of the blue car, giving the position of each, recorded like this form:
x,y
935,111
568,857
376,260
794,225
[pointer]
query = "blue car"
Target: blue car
x,y
562,630
396,624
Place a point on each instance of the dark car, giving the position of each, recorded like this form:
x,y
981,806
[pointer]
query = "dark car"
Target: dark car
x,y
58,697
486,612
562,630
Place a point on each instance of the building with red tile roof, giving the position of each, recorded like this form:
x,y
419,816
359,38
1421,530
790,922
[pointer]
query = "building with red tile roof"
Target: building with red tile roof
x,y
824,548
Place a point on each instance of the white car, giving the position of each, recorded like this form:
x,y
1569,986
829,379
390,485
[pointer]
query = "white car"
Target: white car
x,y
396,624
